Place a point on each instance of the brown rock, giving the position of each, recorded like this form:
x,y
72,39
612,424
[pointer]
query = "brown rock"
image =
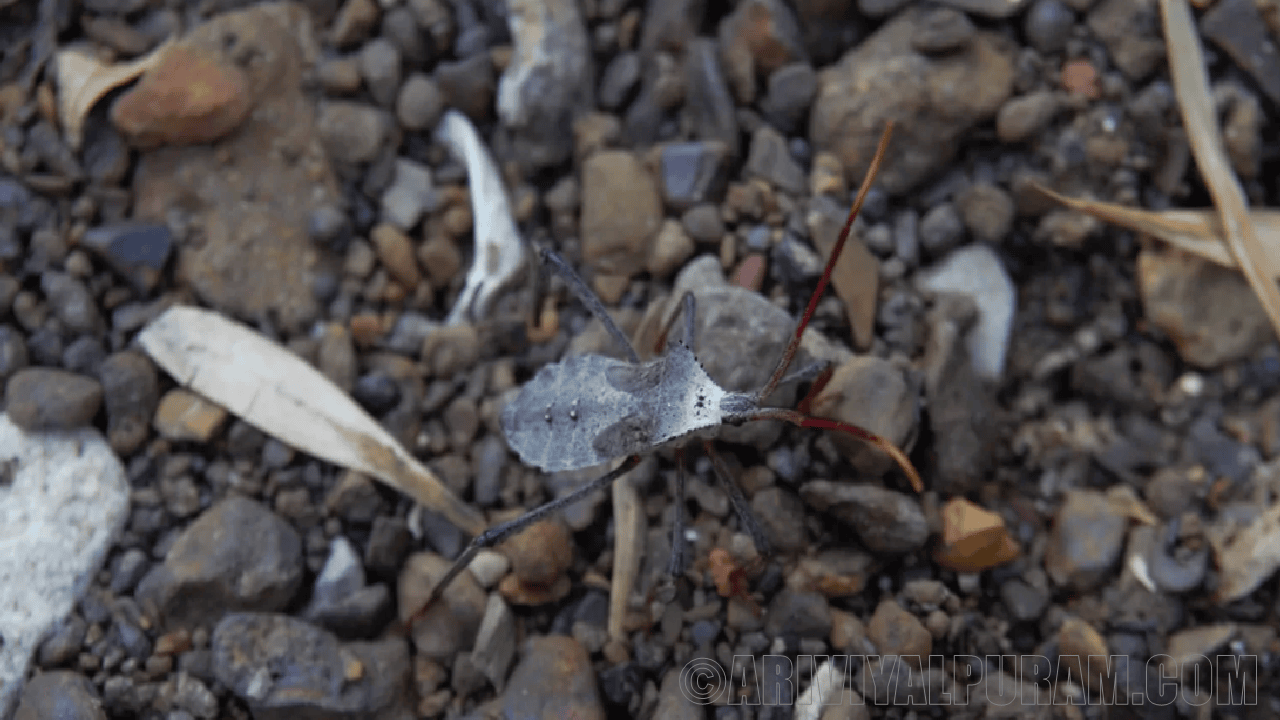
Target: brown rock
x,y
1131,31
336,357
973,538
1084,651
250,196
987,211
184,415
554,677
351,132
827,177
396,253
1022,117
848,633
671,248
450,626
933,99
834,573
354,22
871,393
759,36
541,553
897,632
519,593
439,256
1211,313
195,94
885,520
621,212
450,349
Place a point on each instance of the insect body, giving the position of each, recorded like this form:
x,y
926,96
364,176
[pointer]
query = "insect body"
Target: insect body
x,y
589,410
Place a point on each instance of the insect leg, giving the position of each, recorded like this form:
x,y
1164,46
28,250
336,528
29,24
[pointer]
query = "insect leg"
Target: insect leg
x,y
587,298
809,421
676,566
738,500
688,306
498,533
806,373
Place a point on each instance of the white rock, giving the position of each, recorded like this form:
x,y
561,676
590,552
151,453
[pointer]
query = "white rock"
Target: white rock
x,y
488,567
975,272
63,501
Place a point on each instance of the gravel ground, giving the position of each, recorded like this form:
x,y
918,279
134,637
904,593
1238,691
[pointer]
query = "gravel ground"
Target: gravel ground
x,y
1096,418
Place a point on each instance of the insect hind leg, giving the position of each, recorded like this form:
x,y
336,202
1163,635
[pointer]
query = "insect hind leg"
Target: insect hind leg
x,y
676,566
738,500
498,533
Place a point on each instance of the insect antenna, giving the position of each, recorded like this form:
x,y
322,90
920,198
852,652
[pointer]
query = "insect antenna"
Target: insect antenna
x,y
801,415
790,352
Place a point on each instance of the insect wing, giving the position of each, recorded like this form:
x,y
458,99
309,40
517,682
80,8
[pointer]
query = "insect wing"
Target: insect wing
x,y
579,413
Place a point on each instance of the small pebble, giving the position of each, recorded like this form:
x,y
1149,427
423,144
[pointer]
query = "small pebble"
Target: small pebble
x,y
1048,25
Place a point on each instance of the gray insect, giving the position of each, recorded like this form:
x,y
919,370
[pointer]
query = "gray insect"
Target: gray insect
x,y
588,410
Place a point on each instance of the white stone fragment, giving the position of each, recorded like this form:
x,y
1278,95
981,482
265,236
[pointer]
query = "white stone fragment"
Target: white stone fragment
x,y
977,273
63,500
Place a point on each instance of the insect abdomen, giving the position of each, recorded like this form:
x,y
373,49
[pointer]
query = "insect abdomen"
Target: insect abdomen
x,y
569,416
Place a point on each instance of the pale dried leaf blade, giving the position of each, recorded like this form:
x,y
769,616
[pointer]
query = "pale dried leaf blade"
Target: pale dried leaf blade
x,y
1198,232
1188,230
83,80
1250,558
499,252
282,395
1191,85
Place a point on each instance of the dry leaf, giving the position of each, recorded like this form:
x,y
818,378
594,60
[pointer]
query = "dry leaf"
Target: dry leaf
x,y
282,395
1198,232
1199,117
83,80
1248,559
973,538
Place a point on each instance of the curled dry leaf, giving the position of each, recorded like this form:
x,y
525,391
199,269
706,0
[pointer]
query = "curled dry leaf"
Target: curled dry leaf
x,y
973,538
499,251
83,80
282,395
1199,117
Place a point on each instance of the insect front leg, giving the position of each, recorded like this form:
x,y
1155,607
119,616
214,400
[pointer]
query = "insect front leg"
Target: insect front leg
x,y
587,298
689,308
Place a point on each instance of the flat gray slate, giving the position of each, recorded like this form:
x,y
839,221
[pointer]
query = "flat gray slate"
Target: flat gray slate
x,y
63,501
